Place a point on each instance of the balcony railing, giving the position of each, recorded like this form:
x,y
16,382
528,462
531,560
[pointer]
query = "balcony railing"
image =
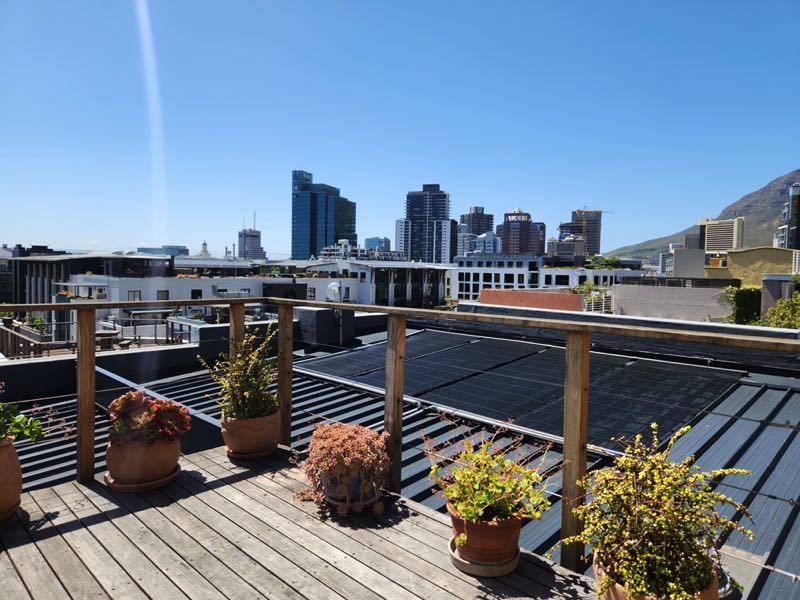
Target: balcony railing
x,y
576,376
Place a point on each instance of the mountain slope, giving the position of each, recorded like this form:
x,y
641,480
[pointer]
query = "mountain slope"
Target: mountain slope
x,y
761,210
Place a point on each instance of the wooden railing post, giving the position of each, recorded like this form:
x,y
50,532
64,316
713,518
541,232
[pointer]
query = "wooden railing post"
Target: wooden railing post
x,y
86,394
576,420
393,408
285,349
236,323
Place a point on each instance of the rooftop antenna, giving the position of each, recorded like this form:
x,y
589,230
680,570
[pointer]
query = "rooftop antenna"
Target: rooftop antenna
x,y
254,219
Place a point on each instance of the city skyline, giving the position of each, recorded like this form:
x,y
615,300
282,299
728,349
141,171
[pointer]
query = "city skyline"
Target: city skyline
x,y
174,121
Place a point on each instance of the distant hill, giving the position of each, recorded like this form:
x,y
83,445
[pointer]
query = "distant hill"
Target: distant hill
x,y
761,210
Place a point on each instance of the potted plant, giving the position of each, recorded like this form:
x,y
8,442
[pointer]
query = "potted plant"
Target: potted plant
x,y
250,420
17,426
347,466
654,525
144,442
7,318
489,496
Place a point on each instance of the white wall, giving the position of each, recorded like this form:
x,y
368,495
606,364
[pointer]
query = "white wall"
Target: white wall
x,y
688,304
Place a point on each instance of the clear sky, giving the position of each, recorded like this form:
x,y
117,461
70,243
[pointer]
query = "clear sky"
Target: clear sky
x,y
127,123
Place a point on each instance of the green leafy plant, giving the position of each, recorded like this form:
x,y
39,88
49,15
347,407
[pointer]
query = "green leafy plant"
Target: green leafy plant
x,y
348,462
246,378
654,524
786,313
586,289
745,303
15,425
136,417
5,314
482,483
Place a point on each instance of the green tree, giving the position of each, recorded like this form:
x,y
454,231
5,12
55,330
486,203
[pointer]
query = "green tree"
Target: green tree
x,y
786,313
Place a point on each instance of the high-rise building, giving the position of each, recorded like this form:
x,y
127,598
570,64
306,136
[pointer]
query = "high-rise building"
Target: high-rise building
x,y
477,221
320,216
586,224
721,235
427,234
788,231
250,245
383,244
466,240
520,235
488,243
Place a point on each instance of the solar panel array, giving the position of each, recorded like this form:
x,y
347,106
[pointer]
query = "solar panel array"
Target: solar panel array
x,y
523,383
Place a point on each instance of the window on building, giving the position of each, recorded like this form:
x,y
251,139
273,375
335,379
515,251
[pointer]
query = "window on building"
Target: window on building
x,y
480,263
461,277
519,264
548,280
497,277
533,280
162,294
197,294
487,277
476,288
346,295
134,295
562,279
508,278
581,279
469,263
533,266
461,263
311,293
467,276
521,279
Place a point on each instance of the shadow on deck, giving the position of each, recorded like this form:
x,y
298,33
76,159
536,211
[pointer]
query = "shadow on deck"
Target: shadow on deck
x,y
239,531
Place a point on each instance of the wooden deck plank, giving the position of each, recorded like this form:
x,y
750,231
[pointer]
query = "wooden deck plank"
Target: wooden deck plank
x,y
435,564
13,586
248,568
239,531
248,541
534,575
180,572
103,566
368,566
68,567
133,560
207,565
438,565
322,571
40,580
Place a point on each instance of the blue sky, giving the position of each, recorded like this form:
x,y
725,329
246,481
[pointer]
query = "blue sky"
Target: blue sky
x,y
661,113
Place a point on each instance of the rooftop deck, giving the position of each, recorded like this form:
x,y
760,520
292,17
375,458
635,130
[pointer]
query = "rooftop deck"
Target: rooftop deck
x,y
227,531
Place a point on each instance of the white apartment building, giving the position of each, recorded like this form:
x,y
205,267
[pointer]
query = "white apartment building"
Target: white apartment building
x,y
524,272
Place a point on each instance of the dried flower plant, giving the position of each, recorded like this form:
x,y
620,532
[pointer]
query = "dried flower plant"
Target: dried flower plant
x,y
348,463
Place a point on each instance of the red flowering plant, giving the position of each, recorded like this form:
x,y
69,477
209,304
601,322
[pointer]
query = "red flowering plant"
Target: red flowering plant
x,y
347,466
136,417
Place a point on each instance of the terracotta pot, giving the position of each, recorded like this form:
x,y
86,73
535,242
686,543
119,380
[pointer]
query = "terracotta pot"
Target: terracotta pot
x,y
10,480
257,436
618,592
141,465
490,542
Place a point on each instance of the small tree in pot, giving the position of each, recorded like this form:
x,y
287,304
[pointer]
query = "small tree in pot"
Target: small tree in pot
x,y
144,442
489,496
251,423
347,466
654,525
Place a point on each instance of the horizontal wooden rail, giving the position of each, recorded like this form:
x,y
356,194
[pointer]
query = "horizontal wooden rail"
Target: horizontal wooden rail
x,y
750,342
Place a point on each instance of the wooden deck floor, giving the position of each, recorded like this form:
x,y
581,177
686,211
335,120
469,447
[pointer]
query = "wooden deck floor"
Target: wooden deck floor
x,y
227,531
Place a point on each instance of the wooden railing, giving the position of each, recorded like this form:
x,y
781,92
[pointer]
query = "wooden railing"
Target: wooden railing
x,y
576,376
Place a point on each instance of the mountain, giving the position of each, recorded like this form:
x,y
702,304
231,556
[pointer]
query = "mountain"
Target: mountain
x,y
761,211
